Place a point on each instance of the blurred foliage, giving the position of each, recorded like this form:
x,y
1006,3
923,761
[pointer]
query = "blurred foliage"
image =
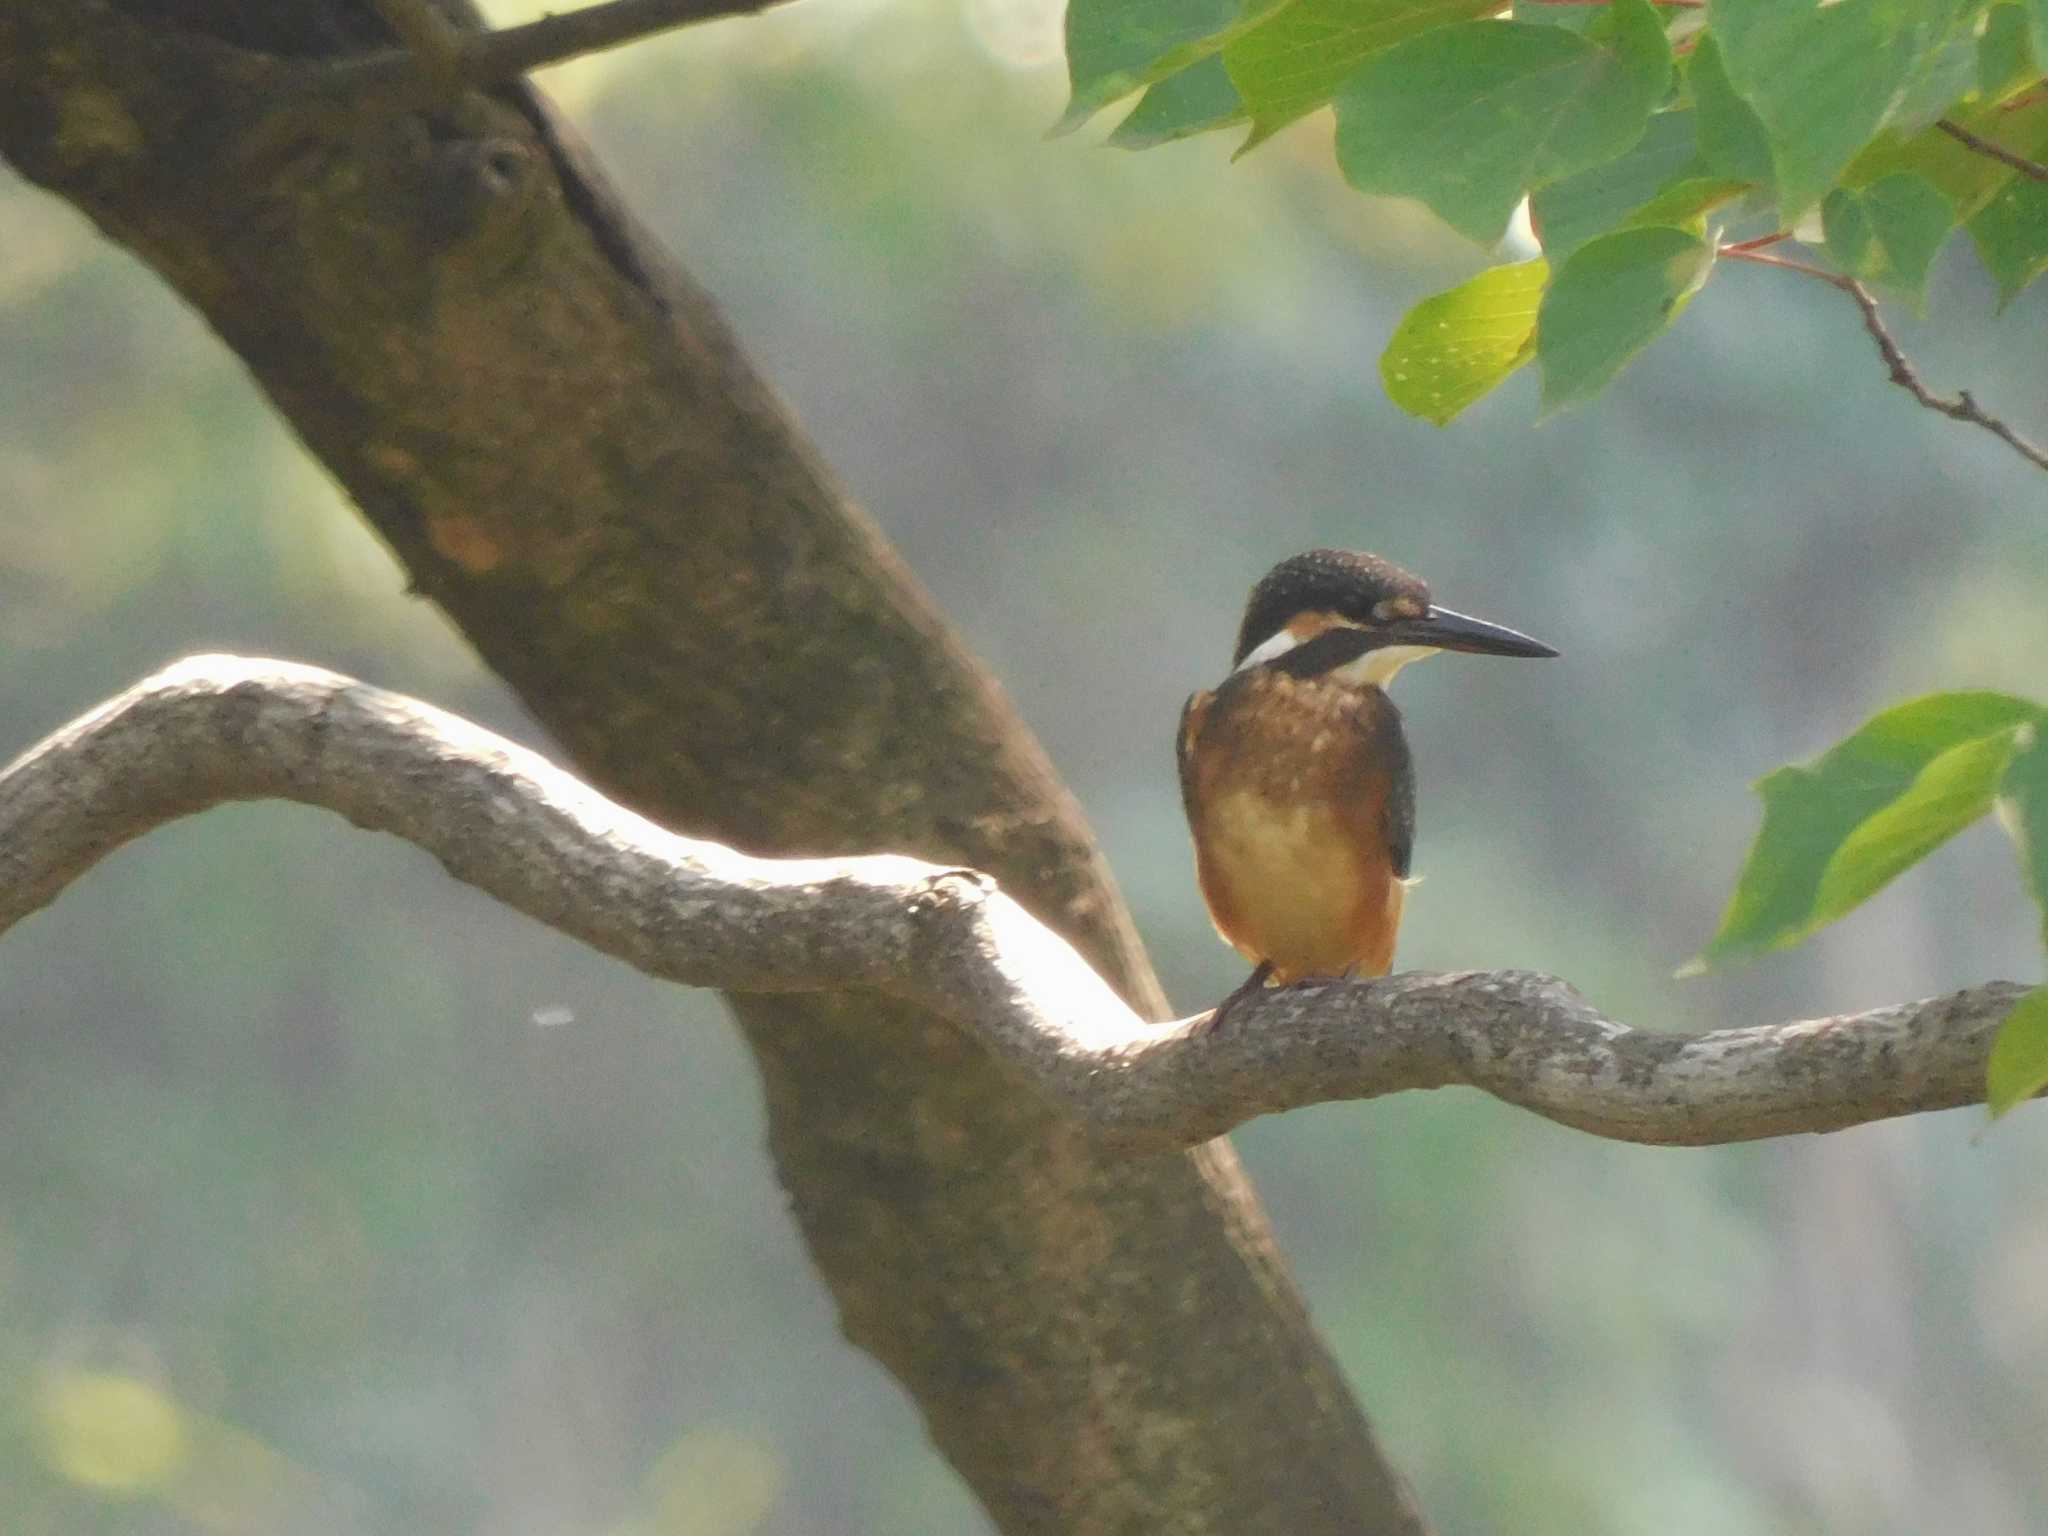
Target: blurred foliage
x,y
1781,109
2019,1057
113,1434
294,1134
1838,830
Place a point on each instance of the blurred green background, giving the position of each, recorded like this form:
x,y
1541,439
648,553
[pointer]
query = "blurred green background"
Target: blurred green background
x,y
335,1199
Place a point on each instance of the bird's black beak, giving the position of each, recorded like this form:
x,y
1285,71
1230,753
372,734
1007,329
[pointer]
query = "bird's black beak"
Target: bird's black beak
x,y
1449,631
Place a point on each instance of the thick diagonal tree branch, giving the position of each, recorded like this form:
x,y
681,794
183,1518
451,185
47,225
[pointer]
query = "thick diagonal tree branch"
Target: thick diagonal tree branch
x,y
565,447
438,60
220,728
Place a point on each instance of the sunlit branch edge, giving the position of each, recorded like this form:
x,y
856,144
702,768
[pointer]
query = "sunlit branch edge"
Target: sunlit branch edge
x,y
217,729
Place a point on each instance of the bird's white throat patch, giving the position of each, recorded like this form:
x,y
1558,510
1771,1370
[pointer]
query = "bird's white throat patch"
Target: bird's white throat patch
x,y
1376,667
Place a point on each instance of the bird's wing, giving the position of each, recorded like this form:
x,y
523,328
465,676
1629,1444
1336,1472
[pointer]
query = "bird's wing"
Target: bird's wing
x,y
1397,811
1192,715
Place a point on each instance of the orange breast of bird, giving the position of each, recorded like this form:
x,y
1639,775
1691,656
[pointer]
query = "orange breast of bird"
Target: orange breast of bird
x,y
1299,797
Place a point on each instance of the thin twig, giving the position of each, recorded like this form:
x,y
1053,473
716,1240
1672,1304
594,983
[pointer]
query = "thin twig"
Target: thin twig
x,y
1998,152
402,78
1963,407
1739,247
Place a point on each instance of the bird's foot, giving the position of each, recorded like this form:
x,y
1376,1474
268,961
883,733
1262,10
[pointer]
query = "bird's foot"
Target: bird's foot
x,y
1244,989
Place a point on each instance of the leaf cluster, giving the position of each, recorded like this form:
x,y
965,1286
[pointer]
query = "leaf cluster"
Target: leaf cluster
x,y
1839,829
1641,133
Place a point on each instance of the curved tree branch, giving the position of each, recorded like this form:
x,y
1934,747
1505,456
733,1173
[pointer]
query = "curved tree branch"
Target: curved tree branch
x,y
222,728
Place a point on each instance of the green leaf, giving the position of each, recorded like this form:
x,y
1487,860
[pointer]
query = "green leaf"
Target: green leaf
x,y
1196,100
1683,203
1890,231
2023,806
1613,298
2005,53
1115,47
2011,235
2018,1068
1955,789
1568,213
1469,117
1732,139
1823,76
1456,346
1548,13
1290,64
1938,85
1839,828
2037,24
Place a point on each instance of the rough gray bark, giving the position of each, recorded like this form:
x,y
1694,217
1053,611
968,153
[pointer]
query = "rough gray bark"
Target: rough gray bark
x,y
219,728
558,438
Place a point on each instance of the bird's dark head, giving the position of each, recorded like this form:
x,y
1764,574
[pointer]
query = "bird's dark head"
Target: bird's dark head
x,y
1332,608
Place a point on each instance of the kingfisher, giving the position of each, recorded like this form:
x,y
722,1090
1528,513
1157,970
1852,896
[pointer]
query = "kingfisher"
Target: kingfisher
x,y
1295,773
